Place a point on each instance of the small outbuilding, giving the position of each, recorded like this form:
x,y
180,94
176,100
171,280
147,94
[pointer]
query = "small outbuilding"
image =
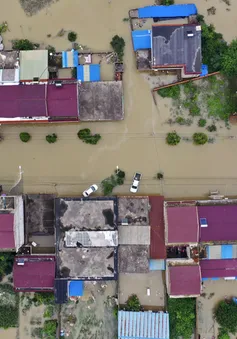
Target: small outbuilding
x,y
88,72
34,65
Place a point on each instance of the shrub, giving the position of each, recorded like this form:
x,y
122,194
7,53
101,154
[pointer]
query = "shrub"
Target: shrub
x,y
51,138
115,312
211,128
50,328
133,304
173,138
72,36
23,45
223,334
180,120
51,49
229,60
6,263
114,180
120,173
24,136
202,122
86,136
160,176
167,2
118,45
226,316
170,92
49,312
44,298
194,110
200,138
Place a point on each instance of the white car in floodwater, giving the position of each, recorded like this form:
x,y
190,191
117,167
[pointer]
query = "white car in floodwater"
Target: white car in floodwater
x,y
136,180
90,190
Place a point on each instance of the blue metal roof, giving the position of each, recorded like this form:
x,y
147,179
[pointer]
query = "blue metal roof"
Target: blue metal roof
x,y
69,59
76,288
141,39
156,265
88,72
143,325
226,251
172,11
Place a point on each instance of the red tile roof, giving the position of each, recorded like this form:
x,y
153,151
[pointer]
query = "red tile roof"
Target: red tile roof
x,y
221,220
184,280
183,225
7,231
62,101
37,273
218,268
156,219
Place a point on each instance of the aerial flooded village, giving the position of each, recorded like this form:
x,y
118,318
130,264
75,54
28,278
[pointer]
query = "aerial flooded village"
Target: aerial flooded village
x,y
118,203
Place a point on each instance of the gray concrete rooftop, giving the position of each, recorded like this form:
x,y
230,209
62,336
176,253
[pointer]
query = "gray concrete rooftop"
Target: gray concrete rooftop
x,y
100,101
134,235
86,262
9,59
134,210
87,215
133,259
91,238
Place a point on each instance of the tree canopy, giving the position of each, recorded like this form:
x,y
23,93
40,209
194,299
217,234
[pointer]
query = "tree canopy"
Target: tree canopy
x,y
226,316
229,60
118,45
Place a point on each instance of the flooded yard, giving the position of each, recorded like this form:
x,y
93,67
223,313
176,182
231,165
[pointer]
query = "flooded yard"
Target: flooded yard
x,y
135,144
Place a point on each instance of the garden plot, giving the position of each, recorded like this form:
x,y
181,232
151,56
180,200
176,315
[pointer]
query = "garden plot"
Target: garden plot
x,y
91,316
206,103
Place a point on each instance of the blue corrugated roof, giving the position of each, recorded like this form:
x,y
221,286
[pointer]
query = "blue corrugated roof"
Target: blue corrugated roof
x,y
141,39
143,325
226,251
69,59
88,72
76,288
172,11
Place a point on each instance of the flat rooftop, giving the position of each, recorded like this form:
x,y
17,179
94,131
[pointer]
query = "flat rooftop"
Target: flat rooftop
x,y
177,46
91,238
134,211
9,59
39,214
221,221
100,101
134,235
86,214
133,258
87,263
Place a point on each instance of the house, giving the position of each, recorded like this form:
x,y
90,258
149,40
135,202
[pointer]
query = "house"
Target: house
x,y
34,65
215,269
133,325
177,47
11,223
183,281
34,273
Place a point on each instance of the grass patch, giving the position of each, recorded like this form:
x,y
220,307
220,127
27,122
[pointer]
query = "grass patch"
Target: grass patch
x,y
170,92
9,306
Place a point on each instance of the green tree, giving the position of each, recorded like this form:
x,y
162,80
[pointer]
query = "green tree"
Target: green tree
x,y
226,316
200,138
24,136
118,45
182,312
170,92
202,122
72,36
211,128
86,136
173,138
51,138
229,60
223,334
6,263
50,329
133,304
23,45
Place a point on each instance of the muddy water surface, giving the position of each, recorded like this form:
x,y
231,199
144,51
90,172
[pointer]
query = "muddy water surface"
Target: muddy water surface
x,y
137,143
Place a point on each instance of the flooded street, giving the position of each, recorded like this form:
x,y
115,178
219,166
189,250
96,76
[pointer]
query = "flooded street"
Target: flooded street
x,y
135,144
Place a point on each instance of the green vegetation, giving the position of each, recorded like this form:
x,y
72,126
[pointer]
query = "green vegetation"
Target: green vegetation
x,y
226,316
74,72
51,49
200,138
223,334
51,138
72,36
50,329
173,138
229,60
211,128
23,45
159,176
202,122
167,2
49,312
118,45
9,306
182,313
44,298
115,311
191,92
133,304
6,263
170,92
111,182
3,27
86,136
24,136
182,121
125,19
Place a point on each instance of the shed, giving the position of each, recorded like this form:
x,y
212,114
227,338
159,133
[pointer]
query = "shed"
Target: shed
x,y
88,72
70,59
222,251
141,39
76,288
183,281
133,325
166,12
34,64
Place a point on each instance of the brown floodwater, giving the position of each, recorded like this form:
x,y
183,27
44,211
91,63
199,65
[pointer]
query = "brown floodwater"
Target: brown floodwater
x,y
135,144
